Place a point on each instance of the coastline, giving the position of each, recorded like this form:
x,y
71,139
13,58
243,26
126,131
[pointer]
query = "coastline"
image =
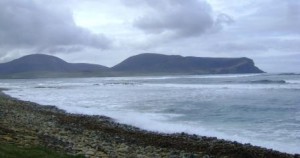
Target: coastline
x,y
29,124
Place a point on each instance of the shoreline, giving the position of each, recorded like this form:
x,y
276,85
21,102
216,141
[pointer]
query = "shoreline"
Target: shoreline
x,y
28,124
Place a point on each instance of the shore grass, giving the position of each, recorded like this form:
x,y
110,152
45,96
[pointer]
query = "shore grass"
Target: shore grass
x,y
13,151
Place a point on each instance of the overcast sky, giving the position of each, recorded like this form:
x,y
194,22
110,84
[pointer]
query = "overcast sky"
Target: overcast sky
x,y
108,31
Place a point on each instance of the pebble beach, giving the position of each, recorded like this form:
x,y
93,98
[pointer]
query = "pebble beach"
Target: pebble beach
x,y
26,124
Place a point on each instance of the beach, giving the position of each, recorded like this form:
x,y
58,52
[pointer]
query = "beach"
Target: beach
x,y
29,124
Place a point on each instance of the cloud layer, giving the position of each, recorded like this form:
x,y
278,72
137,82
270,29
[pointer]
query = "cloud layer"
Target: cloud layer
x,y
272,28
33,24
73,29
187,18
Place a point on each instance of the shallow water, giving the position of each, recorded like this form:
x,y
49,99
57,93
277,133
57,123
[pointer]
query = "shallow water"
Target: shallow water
x,y
262,109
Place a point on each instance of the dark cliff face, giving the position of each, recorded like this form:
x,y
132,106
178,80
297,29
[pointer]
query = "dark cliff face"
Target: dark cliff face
x,y
45,63
157,63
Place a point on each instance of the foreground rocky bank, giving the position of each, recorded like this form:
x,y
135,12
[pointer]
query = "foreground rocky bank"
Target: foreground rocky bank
x,y
28,124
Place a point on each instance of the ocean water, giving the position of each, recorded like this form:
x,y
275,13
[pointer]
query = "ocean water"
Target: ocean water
x,y
261,109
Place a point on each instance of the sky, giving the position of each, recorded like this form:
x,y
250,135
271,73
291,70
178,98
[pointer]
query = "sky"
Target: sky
x,y
107,32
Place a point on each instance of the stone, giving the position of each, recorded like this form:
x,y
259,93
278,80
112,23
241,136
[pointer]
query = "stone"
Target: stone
x,y
90,152
29,137
7,138
206,156
141,156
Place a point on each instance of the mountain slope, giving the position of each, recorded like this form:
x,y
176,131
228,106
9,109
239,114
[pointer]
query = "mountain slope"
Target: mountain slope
x,y
158,63
40,65
46,63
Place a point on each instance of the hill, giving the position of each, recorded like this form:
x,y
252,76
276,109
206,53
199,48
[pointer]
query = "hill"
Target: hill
x,y
158,63
39,65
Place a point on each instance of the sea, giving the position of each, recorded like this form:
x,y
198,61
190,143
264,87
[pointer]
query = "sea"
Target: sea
x,y
261,109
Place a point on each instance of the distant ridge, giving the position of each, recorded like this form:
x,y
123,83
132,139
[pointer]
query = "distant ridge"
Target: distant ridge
x,y
41,65
37,64
159,63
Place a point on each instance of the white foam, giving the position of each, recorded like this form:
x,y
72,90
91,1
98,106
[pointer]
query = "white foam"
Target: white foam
x,y
161,123
226,86
181,76
293,81
224,76
81,96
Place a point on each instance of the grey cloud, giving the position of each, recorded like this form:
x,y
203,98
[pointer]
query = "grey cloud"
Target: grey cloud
x,y
282,63
275,17
59,49
271,27
238,47
179,18
244,45
29,23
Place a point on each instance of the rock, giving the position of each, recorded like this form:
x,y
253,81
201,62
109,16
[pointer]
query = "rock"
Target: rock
x,y
30,137
99,137
90,152
148,149
206,156
7,138
80,153
187,155
122,149
174,154
141,156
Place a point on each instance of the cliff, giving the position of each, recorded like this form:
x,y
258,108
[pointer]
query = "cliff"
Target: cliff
x,y
158,63
39,65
